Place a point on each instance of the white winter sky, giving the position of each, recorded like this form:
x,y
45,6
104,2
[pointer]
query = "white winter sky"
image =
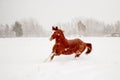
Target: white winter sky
x,y
50,12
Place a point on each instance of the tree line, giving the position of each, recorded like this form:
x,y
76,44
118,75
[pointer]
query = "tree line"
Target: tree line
x,y
80,27
24,28
91,27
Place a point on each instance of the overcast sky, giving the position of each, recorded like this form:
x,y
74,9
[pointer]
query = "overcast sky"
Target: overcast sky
x,y
49,12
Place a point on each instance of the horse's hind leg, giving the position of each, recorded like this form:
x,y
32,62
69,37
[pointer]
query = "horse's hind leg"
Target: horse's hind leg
x,y
77,54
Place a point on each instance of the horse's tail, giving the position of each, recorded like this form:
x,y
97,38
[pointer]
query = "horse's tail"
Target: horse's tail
x,y
89,48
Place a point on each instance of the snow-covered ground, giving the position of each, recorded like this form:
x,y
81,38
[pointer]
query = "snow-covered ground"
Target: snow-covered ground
x,y
22,59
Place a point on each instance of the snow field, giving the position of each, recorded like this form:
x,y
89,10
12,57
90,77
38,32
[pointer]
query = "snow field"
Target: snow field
x,y
22,59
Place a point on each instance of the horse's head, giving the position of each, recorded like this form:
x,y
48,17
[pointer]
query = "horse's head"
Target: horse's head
x,y
57,33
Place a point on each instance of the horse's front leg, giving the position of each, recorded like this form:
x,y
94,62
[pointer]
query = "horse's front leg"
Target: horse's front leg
x,y
52,56
55,54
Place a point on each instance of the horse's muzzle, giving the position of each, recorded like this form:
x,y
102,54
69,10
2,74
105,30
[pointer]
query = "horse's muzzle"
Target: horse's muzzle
x,y
51,39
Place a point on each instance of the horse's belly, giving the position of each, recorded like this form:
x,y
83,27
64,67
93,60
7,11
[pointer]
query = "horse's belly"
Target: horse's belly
x,y
69,51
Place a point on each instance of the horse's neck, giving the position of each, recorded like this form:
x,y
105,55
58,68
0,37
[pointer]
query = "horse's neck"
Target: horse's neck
x,y
63,41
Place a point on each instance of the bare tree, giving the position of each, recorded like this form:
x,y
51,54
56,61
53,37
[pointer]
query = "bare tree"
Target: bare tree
x,y
117,26
108,29
81,28
17,28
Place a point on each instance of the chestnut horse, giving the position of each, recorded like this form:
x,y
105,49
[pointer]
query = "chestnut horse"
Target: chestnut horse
x,y
67,47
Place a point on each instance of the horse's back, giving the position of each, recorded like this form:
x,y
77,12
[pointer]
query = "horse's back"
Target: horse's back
x,y
77,45
76,41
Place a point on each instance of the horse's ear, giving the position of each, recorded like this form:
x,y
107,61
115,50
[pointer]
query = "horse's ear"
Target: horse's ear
x,y
54,28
